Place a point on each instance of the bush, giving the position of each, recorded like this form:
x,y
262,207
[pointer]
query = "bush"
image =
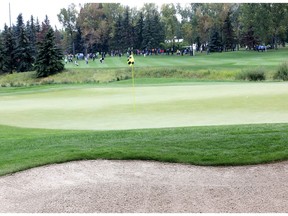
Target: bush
x,y
252,75
282,72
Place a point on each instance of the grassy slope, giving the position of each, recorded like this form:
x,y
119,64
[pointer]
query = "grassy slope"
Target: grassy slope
x,y
222,145
216,66
225,60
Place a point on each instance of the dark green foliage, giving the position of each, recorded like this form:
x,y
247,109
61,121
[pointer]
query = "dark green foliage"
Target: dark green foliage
x,y
117,39
228,34
31,33
23,52
9,50
79,41
139,31
249,38
20,24
127,37
2,56
45,26
215,44
50,58
153,30
282,72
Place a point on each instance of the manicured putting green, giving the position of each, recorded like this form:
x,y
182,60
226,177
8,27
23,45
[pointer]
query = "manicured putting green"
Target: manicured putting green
x,y
112,108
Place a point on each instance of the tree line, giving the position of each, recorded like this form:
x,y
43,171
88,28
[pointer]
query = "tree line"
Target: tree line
x,y
106,27
213,26
31,46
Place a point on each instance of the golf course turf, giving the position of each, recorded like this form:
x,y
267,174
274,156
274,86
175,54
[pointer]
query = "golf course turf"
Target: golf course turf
x,y
169,120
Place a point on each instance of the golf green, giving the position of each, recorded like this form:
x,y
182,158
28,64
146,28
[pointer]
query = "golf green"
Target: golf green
x,y
115,108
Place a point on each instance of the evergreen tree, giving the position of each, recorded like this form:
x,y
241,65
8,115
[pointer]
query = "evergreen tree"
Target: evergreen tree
x,y
50,58
45,26
228,34
153,30
215,43
31,33
2,56
157,29
127,30
79,41
139,31
20,24
23,52
9,50
147,33
117,37
249,38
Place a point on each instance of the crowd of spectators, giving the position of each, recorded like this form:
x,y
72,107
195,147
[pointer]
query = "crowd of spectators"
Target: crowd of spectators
x,y
69,58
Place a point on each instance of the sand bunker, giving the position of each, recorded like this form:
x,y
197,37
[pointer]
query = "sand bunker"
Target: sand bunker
x,y
137,186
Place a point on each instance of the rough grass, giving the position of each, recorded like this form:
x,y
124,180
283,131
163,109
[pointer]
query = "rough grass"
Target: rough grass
x,y
21,148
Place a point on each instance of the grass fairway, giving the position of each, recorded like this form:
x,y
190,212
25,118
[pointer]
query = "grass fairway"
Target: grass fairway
x,y
112,107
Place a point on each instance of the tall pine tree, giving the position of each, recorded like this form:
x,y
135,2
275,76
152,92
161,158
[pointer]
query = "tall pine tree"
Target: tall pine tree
x,y
139,31
215,43
31,33
228,34
2,56
50,58
9,50
23,52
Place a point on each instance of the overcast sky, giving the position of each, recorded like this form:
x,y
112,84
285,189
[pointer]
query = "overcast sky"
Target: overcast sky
x,y
39,8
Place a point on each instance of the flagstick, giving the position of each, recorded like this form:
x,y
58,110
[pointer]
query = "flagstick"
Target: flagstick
x,y
133,84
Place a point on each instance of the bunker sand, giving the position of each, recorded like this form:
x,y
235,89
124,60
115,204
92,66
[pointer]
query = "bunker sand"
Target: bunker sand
x,y
137,186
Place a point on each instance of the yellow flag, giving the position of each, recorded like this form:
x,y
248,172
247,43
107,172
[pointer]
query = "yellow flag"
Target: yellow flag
x,y
130,60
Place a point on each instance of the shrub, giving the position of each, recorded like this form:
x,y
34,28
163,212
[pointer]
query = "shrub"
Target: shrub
x,y
257,74
282,72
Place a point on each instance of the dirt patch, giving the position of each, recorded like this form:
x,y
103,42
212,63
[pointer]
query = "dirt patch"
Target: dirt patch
x,y
136,186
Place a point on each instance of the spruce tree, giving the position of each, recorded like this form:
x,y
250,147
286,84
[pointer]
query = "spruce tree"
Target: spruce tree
x,y
20,24
215,43
157,30
9,50
228,33
50,58
2,56
127,30
139,31
117,37
23,52
147,33
31,33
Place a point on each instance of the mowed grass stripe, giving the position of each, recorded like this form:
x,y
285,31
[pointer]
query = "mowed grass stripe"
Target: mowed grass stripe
x,y
21,148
